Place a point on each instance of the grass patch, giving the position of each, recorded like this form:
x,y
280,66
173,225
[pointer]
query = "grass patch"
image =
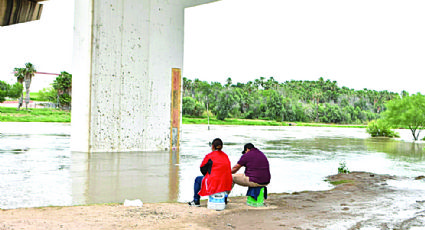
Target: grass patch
x,y
330,125
231,121
34,96
10,114
234,121
338,182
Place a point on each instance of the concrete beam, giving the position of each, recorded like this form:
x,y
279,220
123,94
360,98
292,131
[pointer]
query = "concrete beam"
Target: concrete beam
x,y
19,11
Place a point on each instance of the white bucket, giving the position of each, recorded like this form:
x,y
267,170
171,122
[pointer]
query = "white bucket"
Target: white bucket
x,y
216,201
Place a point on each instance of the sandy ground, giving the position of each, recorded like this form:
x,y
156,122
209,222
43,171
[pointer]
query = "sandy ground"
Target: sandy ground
x,y
304,210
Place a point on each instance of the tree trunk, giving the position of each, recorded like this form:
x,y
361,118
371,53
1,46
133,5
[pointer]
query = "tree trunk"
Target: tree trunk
x,y
317,111
21,100
27,89
413,130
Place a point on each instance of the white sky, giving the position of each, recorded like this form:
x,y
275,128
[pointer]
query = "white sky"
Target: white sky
x,y
374,44
46,43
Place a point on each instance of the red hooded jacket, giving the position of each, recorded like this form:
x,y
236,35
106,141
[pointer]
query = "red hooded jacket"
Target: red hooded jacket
x,y
217,173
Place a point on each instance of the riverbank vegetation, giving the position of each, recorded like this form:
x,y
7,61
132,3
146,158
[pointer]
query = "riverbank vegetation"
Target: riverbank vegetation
x,y
236,121
291,101
407,112
265,102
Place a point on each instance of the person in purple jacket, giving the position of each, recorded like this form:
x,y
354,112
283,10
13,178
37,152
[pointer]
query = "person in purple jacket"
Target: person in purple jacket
x,y
257,169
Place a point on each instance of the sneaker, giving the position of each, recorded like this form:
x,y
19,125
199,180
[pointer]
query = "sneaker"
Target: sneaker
x,y
194,203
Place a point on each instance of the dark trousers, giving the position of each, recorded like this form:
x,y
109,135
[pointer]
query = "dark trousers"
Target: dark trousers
x,y
197,188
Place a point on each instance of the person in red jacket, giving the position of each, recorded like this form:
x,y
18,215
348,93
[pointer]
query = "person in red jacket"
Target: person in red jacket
x,y
217,175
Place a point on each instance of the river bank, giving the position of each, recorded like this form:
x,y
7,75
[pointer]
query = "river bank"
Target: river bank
x,y
39,113
259,122
346,206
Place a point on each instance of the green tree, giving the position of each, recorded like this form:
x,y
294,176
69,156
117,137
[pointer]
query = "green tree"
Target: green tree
x,y
316,97
275,110
187,87
63,85
11,91
29,72
20,76
271,84
333,113
4,88
228,82
404,93
409,112
192,107
225,102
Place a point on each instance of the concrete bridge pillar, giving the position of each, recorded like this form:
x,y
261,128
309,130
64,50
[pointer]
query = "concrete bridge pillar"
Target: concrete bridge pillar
x,y
126,53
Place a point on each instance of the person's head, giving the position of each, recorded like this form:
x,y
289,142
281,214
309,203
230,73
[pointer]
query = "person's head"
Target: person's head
x,y
247,147
217,144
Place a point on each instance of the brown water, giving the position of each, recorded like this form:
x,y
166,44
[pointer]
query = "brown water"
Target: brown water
x,y
37,167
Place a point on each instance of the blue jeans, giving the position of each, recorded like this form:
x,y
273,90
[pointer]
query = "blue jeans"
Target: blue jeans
x,y
197,188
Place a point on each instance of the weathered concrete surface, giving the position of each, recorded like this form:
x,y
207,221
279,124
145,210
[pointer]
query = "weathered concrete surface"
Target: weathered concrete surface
x,y
124,53
19,11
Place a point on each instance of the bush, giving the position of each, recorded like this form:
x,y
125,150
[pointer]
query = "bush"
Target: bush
x,y
207,114
65,100
380,128
10,91
63,86
48,94
192,107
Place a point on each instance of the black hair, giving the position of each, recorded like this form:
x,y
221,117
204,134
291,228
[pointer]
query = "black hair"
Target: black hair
x,y
247,146
217,143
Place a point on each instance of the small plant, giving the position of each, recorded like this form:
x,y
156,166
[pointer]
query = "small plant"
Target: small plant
x,y
343,168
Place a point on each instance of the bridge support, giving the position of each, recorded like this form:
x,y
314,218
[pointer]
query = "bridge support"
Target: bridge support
x,y
124,56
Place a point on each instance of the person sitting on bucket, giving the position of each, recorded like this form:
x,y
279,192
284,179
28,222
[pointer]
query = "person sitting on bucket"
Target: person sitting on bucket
x,y
257,169
217,176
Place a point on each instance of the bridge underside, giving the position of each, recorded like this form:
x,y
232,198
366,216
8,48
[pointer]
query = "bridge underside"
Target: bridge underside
x,y
19,11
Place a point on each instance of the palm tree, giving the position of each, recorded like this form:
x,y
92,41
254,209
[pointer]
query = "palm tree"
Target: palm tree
x,y
29,72
20,76
228,82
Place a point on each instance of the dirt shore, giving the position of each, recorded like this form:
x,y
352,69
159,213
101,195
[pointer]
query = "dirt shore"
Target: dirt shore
x,y
304,210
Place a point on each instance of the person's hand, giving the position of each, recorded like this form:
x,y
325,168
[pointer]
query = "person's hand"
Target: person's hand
x,y
236,168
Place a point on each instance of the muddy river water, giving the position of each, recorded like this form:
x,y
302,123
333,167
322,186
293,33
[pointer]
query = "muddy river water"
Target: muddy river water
x,y
37,167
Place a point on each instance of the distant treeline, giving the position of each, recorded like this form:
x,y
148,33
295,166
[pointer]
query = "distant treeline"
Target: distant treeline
x,y
301,101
